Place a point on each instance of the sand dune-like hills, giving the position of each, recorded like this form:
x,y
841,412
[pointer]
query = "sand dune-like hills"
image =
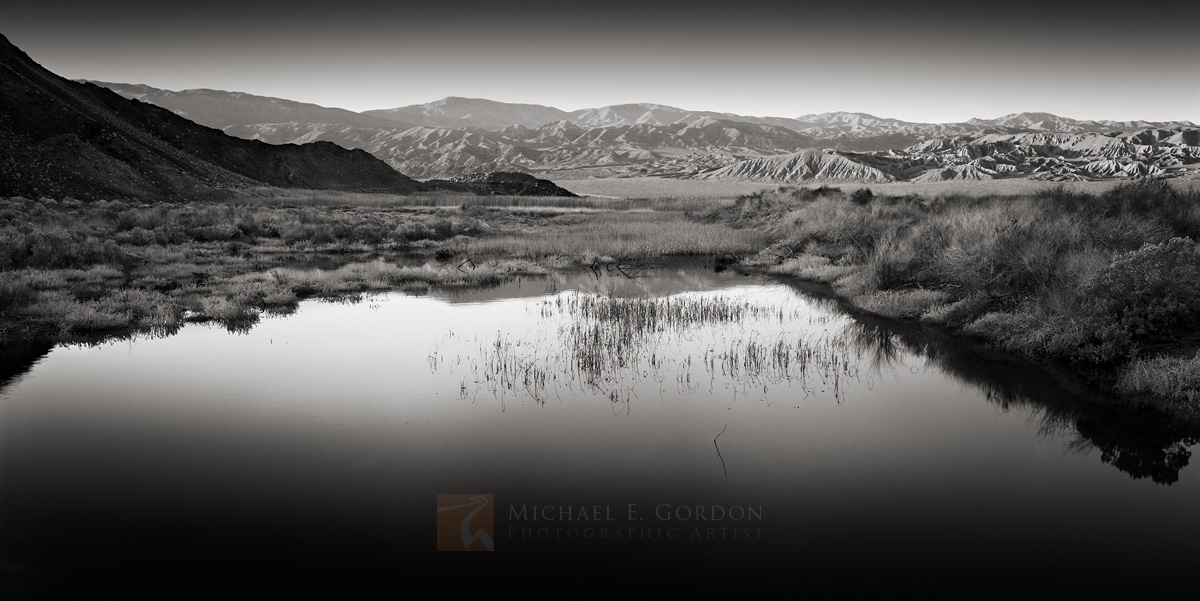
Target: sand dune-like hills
x,y
806,166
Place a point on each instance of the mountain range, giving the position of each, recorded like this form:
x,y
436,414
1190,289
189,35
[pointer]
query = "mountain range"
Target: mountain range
x,y
59,137
461,136
63,138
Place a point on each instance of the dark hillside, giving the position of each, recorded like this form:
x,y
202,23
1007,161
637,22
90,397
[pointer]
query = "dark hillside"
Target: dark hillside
x,y
63,138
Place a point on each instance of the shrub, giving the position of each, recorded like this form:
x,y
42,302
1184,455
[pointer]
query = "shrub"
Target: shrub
x,y
1144,297
412,232
136,237
1142,196
1175,378
215,233
862,196
442,228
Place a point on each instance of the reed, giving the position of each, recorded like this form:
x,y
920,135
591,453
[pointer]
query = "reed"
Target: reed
x,y
606,346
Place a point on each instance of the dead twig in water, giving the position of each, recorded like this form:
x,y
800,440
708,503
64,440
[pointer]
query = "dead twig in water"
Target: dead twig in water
x,y
719,451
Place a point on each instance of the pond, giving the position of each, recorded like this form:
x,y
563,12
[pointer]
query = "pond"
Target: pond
x,y
674,417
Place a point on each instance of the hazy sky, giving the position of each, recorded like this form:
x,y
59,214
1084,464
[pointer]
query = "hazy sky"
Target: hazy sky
x,y
935,62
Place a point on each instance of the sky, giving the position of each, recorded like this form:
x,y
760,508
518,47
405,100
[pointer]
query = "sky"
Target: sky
x,y
930,62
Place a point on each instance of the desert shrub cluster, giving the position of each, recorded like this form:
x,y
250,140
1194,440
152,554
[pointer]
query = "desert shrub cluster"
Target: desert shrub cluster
x,y
1106,281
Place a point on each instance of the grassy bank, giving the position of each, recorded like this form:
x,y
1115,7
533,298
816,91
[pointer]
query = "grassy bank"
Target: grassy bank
x,y
73,269
1108,283
1105,283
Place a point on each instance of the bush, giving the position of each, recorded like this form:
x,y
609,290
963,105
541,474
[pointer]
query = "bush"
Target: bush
x,y
136,237
57,249
412,232
215,233
14,295
1140,197
1144,297
442,228
862,196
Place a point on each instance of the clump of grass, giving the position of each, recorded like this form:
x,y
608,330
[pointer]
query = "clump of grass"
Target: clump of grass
x,y
1174,378
74,316
902,304
812,267
15,295
958,313
380,275
234,316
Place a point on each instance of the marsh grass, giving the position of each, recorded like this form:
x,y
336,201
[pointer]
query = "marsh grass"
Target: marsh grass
x,y
606,346
62,263
381,275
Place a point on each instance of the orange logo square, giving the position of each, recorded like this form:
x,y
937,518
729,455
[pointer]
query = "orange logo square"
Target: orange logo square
x,y
465,522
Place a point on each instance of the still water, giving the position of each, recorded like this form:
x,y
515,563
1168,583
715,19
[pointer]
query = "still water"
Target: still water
x,y
684,418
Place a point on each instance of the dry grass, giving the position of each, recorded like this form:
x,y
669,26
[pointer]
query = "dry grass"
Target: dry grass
x,y
902,304
1175,378
628,235
1102,280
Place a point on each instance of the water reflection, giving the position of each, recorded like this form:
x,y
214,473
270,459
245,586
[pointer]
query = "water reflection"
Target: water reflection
x,y
1138,441
610,357
16,359
585,350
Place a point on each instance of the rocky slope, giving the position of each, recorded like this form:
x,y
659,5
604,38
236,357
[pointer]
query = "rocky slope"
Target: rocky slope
x,y
1049,156
805,166
435,152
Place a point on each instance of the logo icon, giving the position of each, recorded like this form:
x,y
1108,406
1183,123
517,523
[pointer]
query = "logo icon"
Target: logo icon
x,y
465,522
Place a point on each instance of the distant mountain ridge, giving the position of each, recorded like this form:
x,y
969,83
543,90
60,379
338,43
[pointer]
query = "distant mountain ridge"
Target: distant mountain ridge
x,y
219,109
62,138
454,112
461,136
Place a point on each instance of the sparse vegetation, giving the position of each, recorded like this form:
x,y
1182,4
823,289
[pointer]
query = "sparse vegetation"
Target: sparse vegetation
x,y
73,268
1103,282
606,345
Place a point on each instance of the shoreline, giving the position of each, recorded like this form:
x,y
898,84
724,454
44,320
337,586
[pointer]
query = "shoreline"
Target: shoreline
x,y
76,271
340,289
